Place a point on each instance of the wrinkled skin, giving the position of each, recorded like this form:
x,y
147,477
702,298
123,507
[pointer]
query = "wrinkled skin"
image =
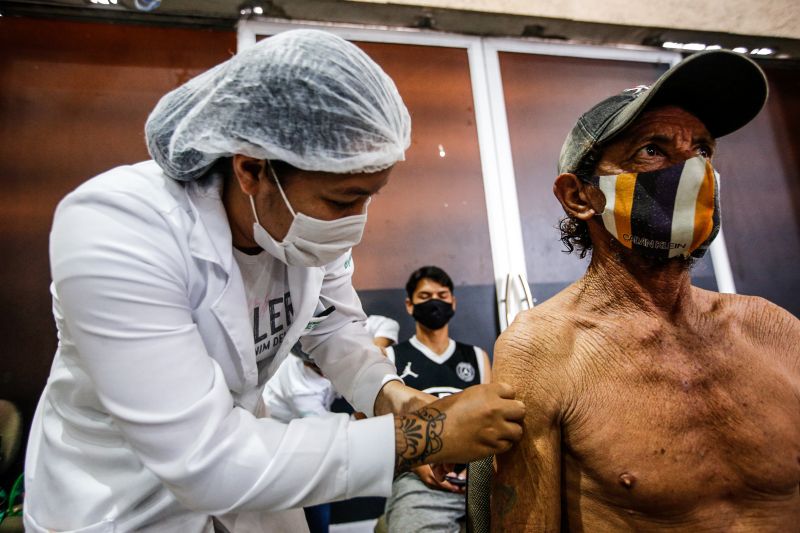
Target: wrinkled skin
x,y
652,405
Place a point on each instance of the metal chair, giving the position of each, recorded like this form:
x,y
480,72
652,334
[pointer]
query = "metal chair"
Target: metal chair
x,y
479,488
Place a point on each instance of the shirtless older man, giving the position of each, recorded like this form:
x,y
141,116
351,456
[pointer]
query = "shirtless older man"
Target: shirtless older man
x,y
652,405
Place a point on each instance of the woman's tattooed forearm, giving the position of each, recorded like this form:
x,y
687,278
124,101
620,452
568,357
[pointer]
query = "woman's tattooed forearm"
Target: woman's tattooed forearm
x,y
434,424
417,437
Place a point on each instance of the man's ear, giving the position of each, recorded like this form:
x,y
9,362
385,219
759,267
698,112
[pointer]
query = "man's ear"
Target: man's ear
x,y
577,198
409,306
248,171
454,303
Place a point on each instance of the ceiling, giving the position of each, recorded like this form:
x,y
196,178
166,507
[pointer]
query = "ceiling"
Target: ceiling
x,y
225,14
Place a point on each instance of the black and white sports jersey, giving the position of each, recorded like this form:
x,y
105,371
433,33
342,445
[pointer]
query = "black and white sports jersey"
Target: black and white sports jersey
x,y
459,367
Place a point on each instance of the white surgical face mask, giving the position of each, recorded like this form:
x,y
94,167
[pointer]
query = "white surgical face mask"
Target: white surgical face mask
x,y
310,242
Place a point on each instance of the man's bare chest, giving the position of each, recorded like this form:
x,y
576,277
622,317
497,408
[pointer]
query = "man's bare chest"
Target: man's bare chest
x,y
661,425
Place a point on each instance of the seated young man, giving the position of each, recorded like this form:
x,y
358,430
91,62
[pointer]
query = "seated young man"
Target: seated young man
x,y
432,362
652,405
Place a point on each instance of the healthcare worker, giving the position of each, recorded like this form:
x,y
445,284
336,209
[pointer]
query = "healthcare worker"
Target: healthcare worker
x,y
180,284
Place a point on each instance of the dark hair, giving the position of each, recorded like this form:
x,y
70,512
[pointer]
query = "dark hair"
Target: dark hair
x,y
575,232
221,167
432,273
283,169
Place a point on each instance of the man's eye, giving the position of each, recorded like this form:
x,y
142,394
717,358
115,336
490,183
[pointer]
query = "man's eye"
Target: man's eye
x,y
705,151
651,150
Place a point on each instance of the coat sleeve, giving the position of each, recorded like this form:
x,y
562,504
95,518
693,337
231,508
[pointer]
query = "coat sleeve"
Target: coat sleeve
x,y
381,326
120,274
341,345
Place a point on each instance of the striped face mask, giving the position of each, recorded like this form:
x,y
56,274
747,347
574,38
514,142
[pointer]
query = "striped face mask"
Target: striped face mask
x,y
666,213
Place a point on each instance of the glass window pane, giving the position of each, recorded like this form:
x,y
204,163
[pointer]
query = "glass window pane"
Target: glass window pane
x,y
433,211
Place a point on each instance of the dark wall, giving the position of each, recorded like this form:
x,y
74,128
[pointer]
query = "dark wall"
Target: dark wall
x,y
474,323
73,101
759,168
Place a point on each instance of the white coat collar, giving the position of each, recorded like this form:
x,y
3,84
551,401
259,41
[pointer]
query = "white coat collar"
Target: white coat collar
x,y
210,238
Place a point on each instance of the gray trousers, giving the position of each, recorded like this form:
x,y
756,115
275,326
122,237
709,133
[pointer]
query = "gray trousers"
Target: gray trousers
x,y
414,508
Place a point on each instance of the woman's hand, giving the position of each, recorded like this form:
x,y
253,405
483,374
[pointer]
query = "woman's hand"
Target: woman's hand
x,y
481,421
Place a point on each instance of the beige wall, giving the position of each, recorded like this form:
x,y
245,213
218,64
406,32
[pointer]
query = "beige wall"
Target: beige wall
x,y
775,18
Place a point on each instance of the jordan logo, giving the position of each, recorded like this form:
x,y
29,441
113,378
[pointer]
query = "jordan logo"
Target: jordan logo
x,y
408,372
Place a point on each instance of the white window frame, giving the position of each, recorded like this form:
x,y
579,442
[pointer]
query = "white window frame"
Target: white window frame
x,y
499,181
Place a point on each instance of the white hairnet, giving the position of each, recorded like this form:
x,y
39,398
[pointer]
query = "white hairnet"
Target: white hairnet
x,y
306,97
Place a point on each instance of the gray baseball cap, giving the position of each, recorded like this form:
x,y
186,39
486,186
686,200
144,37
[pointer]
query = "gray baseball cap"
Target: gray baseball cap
x,y
724,89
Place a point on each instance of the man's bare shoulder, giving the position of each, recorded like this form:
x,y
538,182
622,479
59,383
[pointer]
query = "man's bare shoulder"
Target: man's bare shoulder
x,y
541,335
536,349
762,322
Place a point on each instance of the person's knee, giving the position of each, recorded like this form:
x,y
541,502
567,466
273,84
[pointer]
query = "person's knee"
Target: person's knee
x,y
413,507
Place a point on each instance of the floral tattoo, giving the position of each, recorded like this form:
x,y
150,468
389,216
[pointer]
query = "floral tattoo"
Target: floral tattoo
x,y
418,436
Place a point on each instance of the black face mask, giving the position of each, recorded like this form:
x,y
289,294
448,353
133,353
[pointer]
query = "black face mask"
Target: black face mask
x,y
433,314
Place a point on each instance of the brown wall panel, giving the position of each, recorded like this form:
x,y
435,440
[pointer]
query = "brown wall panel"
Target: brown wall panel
x,y
433,211
73,100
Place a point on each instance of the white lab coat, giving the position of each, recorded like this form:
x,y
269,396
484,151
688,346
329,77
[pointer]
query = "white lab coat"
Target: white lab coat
x,y
297,391
149,417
